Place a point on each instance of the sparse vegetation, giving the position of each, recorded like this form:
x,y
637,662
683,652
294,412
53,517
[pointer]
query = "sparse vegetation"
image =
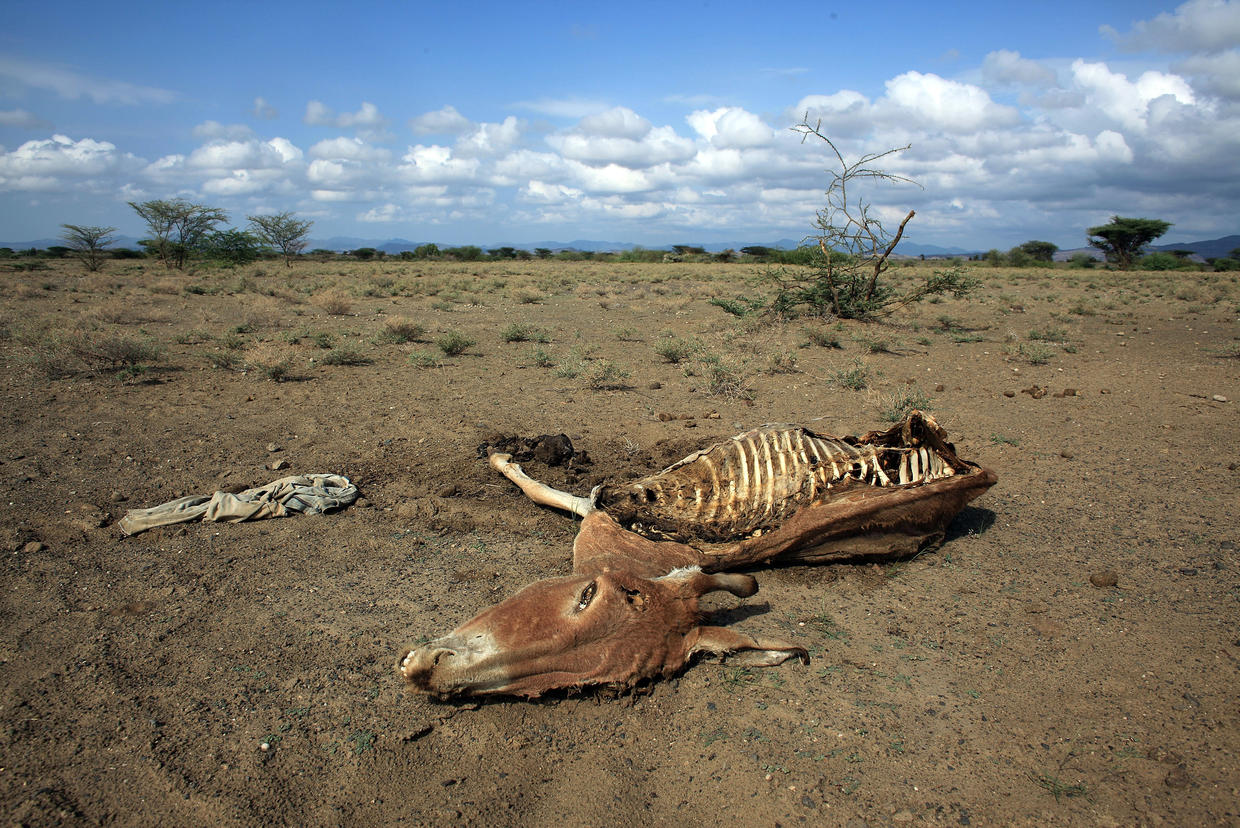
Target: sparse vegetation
x,y
454,343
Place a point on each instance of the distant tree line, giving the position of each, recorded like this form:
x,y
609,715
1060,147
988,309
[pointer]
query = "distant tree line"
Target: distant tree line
x,y
181,231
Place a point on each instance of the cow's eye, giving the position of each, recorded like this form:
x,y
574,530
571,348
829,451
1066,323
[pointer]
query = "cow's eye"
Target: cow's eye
x,y
587,595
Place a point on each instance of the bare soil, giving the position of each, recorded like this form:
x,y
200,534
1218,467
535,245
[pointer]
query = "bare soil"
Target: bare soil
x,y
243,674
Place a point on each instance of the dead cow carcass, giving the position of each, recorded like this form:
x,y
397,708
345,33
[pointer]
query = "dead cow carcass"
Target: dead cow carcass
x,y
648,549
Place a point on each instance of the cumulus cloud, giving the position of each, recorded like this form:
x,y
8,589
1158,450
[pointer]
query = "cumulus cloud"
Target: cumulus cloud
x,y
489,139
621,136
730,127
1127,102
350,149
446,121
71,84
948,105
1195,26
59,163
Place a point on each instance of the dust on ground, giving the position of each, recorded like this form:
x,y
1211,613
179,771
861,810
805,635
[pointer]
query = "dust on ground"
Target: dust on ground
x,y
244,674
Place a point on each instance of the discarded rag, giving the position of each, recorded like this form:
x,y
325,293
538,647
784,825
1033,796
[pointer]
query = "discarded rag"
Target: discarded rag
x,y
310,494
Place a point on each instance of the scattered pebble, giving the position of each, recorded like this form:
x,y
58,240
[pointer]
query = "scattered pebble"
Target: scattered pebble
x,y
32,547
1009,393
1188,570
1219,398
272,447
279,464
1178,778
117,497
264,746
1067,455
655,386
938,388
1105,578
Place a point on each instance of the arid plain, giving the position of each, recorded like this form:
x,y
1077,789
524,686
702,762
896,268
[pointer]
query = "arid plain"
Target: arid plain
x,y
209,674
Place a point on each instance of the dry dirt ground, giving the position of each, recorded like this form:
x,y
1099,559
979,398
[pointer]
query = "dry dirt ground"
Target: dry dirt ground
x,y
985,682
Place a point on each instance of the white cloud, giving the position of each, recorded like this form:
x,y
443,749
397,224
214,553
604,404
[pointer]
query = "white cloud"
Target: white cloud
x,y
951,106
446,121
351,149
383,213
432,164
489,139
60,163
71,84
1195,26
617,122
730,127
654,146
1125,101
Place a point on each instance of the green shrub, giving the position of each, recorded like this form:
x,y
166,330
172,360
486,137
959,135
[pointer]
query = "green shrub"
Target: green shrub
x,y
454,343
673,349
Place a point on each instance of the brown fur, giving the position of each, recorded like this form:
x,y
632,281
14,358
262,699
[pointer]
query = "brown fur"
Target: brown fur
x,y
622,618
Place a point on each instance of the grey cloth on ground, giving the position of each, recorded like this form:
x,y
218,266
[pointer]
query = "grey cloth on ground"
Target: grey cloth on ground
x,y
309,494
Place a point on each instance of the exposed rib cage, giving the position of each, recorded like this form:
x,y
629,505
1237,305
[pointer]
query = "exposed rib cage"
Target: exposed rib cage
x,y
754,481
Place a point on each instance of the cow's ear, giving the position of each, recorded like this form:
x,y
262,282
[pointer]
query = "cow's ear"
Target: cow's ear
x,y
741,649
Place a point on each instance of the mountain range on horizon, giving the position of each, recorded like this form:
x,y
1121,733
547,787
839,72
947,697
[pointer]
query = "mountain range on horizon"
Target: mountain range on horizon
x,y
1206,248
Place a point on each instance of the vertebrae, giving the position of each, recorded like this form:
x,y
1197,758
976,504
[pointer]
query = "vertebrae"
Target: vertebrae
x,y
757,479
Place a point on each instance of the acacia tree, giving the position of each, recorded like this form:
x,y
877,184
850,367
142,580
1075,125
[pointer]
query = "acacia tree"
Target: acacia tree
x,y
1124,238
1039,251
178,227
283,231
856,249
88,242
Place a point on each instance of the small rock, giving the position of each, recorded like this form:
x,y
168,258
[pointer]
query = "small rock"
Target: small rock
x,y
279,464
32,547
362,503
1219,398
117,497
690,424
1009,393
1037,607
1178,778
264,746
655,386
664,417
272,447
714,415
1067,455
938,388
1105,578
1035,391
1104,390
902,816
448,490
1226,544
1188,570
1069,392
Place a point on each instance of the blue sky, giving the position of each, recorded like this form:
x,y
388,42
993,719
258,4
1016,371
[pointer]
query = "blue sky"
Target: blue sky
x,y
652,123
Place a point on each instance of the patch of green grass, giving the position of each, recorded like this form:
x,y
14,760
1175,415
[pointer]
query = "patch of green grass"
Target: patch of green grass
x,y
1000,439
781,362
345,355
854,378
521,332
541,358
673,349
424,359
895,405
1035,353
454,343
604,375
